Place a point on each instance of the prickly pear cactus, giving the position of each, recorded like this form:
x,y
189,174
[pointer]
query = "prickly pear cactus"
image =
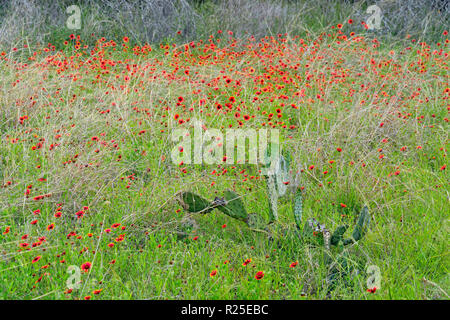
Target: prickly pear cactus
x,y
233,206
362,225
194,203
282,173
276,187
298,208
337,235
338,270
313,231
344,266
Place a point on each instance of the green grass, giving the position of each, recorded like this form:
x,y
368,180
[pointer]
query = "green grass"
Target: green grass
x,y
159,257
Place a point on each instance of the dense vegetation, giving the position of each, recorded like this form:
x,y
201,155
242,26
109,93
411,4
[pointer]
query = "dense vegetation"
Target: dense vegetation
x,y
88,190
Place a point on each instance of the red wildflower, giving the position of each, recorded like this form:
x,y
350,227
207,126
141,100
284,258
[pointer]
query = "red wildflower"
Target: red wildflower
x,y
372,290
259,275
79,214
86,266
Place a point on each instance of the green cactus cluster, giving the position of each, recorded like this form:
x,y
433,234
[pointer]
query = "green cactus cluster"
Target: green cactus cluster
x,y
314,230
298,207
194,203
230,204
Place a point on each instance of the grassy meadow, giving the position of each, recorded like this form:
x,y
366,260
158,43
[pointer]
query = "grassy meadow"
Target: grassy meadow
x,y
88,189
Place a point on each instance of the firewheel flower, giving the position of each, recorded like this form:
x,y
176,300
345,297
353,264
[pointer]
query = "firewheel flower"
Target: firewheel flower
x,y
259,275
86,266
7,230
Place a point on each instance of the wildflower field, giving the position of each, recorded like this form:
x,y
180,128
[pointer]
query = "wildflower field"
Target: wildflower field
x,y
90,196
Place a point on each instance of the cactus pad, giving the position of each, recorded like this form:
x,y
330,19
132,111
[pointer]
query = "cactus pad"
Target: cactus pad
x,y
194,203
338,235
362,225
234,206
298,208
